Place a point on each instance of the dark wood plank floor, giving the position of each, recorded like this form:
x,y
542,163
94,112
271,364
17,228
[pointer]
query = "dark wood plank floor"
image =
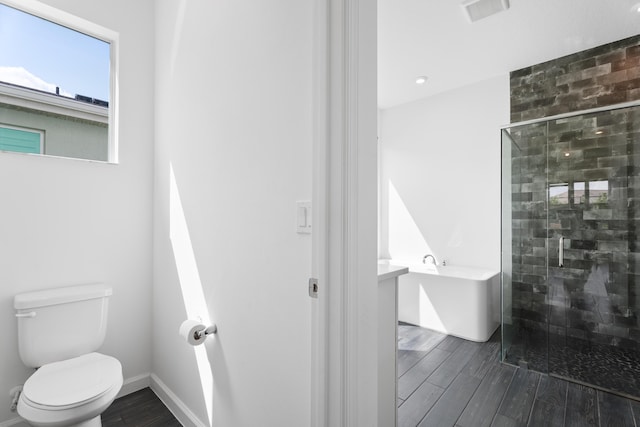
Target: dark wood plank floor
x,y
142,409
447,381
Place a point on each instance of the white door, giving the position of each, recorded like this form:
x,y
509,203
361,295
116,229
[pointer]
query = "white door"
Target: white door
x,y
233,158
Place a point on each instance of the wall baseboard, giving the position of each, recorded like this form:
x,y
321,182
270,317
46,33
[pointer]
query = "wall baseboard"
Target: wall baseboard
x,y
19,422
133,384
177,407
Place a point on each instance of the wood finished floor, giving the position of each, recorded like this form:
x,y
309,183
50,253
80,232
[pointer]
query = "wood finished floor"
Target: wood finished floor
x,y
447,381
141,409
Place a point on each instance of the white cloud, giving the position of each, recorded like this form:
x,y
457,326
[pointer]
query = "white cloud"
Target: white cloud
x,y
22,77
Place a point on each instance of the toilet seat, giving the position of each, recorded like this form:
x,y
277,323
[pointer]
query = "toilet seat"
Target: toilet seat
x,y
73,382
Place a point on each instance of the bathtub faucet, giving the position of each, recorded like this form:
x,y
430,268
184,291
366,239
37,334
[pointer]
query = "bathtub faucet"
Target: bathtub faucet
x,y
424,259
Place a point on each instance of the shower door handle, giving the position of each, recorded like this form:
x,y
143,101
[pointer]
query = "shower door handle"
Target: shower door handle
x,y
561,252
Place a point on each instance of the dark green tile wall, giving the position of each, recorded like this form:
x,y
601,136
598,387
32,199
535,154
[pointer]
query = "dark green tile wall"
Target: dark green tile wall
x,y
605,75
595,297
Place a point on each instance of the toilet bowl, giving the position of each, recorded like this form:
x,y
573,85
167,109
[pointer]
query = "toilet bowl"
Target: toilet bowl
x,y
71,392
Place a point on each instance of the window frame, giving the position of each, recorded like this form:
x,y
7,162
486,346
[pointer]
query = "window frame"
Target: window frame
x,y
81,25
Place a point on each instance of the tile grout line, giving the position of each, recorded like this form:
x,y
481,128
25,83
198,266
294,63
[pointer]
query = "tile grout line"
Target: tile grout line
x,y
503,396
598,407
535,397
425,380
447,388
418,361
472,394
438,399
425,355
566,401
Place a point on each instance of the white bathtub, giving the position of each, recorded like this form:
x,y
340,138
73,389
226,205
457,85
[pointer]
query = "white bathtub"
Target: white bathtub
x,y
459,301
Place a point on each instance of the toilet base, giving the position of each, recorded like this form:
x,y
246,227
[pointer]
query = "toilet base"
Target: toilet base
x,y
93,422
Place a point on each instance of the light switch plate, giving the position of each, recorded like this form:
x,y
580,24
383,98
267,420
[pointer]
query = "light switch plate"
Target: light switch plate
x,y
303,217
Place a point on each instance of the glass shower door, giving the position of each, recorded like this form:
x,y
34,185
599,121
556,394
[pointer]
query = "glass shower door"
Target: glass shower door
x,y
593,168
570,248
524,246
507,331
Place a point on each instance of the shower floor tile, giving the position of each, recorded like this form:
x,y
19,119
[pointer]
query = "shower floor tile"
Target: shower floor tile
x,y
605,367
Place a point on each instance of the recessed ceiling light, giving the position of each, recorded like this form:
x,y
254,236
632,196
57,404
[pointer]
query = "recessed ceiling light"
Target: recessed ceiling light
x,y
599,132
567,154
635,8
421,80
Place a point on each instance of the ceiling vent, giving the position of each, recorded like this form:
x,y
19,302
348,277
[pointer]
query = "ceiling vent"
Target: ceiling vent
x,y
478,9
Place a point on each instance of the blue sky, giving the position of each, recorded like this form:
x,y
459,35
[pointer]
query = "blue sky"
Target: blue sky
x,y
77,63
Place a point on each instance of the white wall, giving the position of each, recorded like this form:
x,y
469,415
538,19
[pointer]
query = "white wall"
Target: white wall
x,y
233,128
65,222
440,176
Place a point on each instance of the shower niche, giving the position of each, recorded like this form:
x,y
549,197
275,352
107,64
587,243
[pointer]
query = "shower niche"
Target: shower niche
x,y
571,248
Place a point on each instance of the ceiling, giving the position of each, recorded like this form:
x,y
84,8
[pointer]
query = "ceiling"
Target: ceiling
x,y
434,38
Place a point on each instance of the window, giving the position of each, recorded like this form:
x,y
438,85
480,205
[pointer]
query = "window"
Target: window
x,y
56,74
598,191
21,140
559,194
579,193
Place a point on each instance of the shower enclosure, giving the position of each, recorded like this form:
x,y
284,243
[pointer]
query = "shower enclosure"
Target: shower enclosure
x,y
571,247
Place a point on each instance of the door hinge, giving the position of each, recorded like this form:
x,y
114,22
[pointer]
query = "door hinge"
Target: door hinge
x,y
313,287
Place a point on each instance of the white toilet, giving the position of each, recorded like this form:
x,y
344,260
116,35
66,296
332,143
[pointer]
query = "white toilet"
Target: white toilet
x,y
59,331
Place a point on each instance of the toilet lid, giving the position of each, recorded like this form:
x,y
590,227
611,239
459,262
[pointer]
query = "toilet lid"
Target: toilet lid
x,y
73,381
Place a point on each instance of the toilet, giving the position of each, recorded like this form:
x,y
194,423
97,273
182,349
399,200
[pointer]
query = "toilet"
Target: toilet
x,y
59,333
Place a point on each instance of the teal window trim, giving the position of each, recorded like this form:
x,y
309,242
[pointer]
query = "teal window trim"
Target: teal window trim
x,y
21,140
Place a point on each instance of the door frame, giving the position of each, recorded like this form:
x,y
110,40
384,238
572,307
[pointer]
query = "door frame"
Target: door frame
x,y
344,379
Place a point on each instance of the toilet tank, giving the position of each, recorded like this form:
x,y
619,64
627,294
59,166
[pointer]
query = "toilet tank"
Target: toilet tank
x,y
61,323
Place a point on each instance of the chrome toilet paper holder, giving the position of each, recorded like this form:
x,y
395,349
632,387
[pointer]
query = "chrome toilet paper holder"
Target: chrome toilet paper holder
x,y
209,330
195,332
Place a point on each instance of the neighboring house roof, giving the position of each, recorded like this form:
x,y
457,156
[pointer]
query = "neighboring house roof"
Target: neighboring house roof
x,y
38,100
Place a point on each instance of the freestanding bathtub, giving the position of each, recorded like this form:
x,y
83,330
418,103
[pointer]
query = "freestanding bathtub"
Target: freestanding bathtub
x,y
459,301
